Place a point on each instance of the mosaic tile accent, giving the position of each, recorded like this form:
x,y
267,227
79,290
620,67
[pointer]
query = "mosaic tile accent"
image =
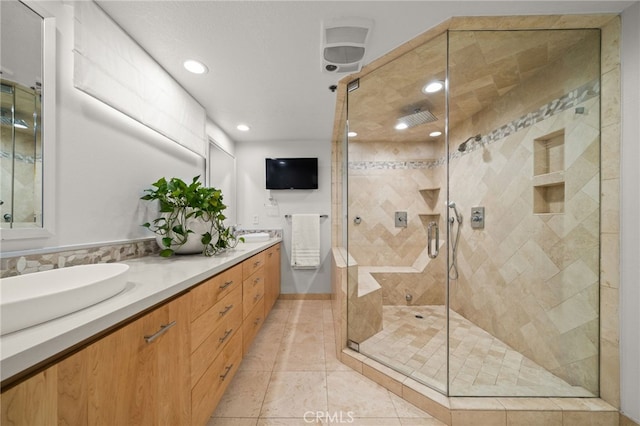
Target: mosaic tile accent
x,y
570,100
18,265
29,159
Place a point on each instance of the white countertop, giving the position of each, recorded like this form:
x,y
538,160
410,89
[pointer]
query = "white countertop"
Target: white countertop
x,y
150,281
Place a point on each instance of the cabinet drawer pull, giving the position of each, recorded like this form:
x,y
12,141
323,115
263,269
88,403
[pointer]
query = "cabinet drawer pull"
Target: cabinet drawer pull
x,y
255,264
227,369
270,254
163,329
226,284
256,297
257,321
227,333
256,281
226,309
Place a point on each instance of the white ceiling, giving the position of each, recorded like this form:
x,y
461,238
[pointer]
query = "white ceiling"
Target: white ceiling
x,y
264,57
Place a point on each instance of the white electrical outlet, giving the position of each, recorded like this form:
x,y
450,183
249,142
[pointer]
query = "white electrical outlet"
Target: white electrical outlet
x,y
256,220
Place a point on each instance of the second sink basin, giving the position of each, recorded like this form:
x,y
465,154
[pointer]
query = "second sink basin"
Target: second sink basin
x,y
31,299
256,237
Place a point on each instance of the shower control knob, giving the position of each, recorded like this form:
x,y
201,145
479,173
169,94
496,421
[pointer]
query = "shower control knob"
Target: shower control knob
x,y
477,217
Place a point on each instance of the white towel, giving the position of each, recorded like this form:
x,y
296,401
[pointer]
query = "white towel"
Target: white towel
x,y
305,241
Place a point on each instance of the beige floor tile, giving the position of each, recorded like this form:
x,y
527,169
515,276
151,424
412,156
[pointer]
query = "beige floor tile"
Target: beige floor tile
x,y
384,421
480,364
412,421
232,422
370,399
292,394
289,422
300,357
244,396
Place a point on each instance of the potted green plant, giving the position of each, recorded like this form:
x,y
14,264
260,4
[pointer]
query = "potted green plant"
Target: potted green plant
x,y
191,218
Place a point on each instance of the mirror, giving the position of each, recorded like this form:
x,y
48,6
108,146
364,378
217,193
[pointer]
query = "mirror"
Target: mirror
x,y
27,124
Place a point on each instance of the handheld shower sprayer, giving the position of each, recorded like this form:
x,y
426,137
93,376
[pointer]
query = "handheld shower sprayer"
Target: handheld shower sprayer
x,y
453,268
452,205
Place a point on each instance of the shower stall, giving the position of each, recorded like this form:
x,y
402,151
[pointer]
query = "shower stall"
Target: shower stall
x,y
20,156
473,213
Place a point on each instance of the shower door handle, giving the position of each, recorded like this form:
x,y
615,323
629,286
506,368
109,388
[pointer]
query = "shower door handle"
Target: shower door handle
x,y
431,250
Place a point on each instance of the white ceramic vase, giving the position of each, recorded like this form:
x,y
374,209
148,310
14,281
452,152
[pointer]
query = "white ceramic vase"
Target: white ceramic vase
x,y
193,244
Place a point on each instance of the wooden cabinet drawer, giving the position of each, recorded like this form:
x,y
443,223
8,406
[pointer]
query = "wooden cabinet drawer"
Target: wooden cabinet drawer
x,y
204,325
215,342
252,291
252,264
214,289
252,324
206,394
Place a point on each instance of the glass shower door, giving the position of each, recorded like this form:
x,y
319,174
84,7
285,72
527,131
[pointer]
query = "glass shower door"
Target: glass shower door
x,y
524,174
396,224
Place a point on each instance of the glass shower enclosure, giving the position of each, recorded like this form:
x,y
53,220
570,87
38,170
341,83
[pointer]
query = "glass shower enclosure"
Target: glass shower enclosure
x,y
473,211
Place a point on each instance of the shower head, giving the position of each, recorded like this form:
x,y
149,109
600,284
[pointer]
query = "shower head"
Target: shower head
x,y
463,146
417,118
452,205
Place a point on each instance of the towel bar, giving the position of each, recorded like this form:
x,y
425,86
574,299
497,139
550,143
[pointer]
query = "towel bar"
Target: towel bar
x,y
323,216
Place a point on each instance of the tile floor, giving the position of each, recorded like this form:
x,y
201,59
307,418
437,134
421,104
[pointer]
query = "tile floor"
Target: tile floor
x,y
291,376
480,364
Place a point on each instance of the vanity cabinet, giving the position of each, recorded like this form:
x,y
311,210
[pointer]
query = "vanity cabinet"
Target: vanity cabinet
x,y
271,276
122,378
169,366
216,339
19,405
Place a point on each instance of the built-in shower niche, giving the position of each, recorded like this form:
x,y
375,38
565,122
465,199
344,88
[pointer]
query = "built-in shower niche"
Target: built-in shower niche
x,y
548,173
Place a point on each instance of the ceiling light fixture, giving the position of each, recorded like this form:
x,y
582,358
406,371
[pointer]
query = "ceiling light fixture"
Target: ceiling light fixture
x,y
195,67
243,127
433,87
435,134
352,134
401,126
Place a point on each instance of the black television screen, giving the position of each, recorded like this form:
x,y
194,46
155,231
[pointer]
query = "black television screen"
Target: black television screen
x,y
291,173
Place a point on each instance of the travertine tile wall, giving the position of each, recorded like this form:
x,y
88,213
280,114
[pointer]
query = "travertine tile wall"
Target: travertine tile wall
x,y
530,279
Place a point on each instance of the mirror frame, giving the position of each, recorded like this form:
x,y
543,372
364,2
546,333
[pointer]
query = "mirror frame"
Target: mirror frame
x,y
48,121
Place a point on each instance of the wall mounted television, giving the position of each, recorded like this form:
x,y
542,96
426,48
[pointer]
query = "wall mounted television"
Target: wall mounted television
x,y
291,173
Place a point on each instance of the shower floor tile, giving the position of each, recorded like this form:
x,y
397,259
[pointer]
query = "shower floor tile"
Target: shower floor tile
x,y
413,341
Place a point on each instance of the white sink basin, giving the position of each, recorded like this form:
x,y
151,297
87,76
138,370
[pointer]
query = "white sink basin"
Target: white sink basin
x,y
38,297
256,237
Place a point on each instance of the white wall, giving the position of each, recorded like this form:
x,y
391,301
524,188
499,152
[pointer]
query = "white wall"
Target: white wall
x,y
252,197
629,224
104,160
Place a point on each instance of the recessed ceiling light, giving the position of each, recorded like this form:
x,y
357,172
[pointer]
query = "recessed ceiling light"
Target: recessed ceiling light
x,y
401,126
195,67
352,134
435,134
243,127
433,87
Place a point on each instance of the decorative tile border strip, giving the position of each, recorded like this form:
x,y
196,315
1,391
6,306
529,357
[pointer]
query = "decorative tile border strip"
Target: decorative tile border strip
x,y
29,159
556,106
117,252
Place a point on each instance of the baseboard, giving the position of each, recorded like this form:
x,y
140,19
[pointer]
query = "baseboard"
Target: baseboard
x,y
305,296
